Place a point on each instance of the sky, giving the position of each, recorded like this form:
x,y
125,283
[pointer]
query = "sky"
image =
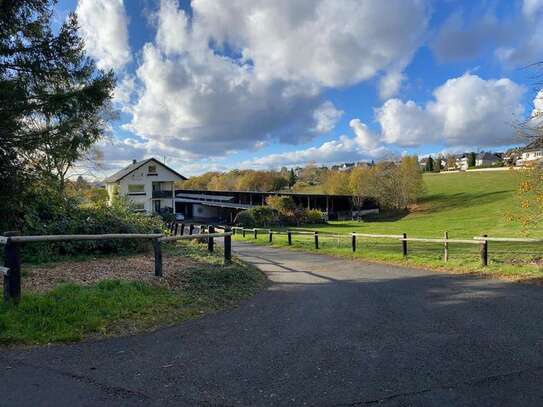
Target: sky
x,y
221,84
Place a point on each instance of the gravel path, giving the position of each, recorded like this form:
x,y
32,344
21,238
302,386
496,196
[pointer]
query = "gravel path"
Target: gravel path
x,y
327,332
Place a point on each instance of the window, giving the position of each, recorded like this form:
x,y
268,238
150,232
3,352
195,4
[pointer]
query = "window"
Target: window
x,y
152,169
137,189
138,206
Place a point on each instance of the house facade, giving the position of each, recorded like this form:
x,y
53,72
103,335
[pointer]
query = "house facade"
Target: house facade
x,y
530,156
148,184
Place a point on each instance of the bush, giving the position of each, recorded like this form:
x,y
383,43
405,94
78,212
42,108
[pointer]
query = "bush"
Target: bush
x,y
44,217
314,216
265,216
260,216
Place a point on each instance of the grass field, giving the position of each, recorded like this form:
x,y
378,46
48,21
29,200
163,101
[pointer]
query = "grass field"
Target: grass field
x,y
71,312
463,204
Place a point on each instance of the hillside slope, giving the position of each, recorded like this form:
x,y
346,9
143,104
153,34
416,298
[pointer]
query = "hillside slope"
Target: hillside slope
x,y
464,204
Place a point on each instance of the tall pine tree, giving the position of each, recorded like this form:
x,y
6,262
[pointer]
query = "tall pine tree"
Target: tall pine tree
x,y
54,102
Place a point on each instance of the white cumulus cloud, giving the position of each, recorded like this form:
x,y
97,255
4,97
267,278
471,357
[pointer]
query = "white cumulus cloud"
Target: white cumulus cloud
x,y
236,75
467,110
104,27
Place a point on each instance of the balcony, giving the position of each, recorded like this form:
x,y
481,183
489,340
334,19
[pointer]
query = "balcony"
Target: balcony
x,y
162,194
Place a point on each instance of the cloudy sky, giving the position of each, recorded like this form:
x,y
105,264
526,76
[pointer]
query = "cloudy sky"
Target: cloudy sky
x,y
211,84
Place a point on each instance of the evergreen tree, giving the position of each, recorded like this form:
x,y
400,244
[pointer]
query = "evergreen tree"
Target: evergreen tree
x,y
429,164
54,103
292,178
471,159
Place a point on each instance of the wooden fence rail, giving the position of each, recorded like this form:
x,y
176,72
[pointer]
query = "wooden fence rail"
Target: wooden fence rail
x,y
11,270
482,241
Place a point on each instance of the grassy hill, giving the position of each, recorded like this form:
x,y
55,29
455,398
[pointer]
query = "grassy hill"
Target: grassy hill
x,y
464,204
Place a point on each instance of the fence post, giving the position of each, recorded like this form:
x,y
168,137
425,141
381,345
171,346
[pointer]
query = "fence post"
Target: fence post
x,y
12,260
316,240
484,252
243,232
182,229
353,242
175,229
210,242
289,236
191,229
446,247
404,245
158,257
172,226
270,236
255,231
233,230
227,246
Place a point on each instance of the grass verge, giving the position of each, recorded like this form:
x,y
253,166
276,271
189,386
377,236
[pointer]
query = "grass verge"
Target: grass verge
x,y
505,261
72,312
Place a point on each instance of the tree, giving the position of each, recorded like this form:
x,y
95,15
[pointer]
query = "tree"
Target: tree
x,y
471,159
291,178
336,183
53,100
429,164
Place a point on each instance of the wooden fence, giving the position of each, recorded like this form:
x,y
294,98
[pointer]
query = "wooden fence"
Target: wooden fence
x,y
481,241
11,270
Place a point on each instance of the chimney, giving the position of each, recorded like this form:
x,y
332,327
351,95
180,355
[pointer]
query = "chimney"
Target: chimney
x,y
134,161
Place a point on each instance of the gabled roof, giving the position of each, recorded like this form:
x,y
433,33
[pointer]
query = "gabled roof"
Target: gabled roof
x,y
134,166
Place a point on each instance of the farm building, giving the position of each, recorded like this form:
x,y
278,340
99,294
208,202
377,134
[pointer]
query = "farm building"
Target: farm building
x,y
224,205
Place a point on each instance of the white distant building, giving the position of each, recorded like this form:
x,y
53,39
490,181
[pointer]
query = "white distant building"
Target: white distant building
x,y
530,156
148,184
462,163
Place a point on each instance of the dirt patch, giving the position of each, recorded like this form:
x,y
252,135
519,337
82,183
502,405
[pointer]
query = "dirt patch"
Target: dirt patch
x,y
132,268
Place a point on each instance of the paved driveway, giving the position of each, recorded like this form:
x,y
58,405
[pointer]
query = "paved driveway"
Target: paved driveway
x,y
326,332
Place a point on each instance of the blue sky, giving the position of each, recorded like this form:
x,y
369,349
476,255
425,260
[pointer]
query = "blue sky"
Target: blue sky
x,y
212,84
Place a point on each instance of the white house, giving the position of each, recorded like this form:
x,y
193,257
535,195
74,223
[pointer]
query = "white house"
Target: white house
x,y
149,184
530,155
462,162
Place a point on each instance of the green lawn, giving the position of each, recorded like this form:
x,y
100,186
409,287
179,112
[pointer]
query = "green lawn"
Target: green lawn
x,y
71,312
464,204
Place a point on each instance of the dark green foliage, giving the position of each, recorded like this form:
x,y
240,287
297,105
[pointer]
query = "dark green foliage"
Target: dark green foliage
x,y
471,159
47,216
429,164
266,216
54,103
292,178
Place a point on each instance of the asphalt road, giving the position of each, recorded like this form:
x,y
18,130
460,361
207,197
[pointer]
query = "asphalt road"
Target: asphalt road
x,y
326,332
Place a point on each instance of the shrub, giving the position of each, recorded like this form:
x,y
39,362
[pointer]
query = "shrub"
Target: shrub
x,y
314,216
44,217
246,218
260,216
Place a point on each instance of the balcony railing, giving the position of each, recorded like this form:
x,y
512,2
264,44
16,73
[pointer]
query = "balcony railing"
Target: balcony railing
x,y
162,194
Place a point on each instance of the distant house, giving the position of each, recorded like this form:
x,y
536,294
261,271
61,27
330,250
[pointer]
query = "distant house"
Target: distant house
x,y
148,184
487,159
346,167
462,162
530,155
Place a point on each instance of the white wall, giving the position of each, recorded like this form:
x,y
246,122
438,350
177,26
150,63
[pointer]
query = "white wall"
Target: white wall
x,y
141,176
